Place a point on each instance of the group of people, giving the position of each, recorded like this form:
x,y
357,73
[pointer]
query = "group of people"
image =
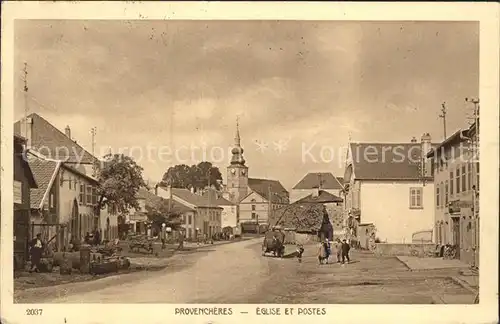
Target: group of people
x,y
93,238
342,249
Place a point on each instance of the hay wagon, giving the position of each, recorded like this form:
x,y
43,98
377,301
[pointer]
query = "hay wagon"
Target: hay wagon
x,y
274,243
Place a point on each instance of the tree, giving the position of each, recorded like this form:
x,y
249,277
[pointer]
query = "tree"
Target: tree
x,y
119,181
159,212
196,176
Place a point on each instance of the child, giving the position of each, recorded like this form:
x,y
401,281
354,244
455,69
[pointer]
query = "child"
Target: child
x,y
345,251
300,251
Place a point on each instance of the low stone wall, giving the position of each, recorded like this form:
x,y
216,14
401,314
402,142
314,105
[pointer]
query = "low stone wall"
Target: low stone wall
x,y
425,249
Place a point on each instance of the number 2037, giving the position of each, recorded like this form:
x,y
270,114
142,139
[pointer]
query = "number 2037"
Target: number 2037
x,y
34,311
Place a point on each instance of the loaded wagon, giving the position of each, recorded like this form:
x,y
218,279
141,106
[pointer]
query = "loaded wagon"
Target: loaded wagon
x,y
274,243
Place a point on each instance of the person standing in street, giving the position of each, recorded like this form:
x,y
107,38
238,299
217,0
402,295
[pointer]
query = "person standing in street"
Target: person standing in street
x,y
36,250
345,251
338,250
163,235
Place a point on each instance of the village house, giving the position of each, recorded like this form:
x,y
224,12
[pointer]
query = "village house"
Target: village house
x,y
390,186
228,215
255,198
64,202
204,217
333,206
456,181
24,180
312,181
63,154
139,219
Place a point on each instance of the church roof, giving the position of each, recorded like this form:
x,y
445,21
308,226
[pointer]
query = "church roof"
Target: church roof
x,y
262,186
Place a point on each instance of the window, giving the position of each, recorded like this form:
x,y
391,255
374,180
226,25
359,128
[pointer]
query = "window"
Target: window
x,y
88,194
477,175
51,200
253,207
190,220
82,194
438,198
469,176
416,198
446,194
441,188
184,219
451,183
94,196
457,180
464,178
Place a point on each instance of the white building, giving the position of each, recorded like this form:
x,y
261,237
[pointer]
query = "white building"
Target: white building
x,y
390,185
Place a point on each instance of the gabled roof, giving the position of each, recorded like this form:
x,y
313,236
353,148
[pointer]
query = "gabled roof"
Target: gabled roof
x,y
19,154
328,181
387,161
213,195
193,199
45,172
261,186
454,139
324,197
53,143
153,200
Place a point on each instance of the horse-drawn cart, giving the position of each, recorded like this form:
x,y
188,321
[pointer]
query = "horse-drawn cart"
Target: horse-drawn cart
x,y
274,243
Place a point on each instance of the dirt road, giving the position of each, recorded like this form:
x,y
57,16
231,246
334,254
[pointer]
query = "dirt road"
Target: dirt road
x,y
229,271
237,273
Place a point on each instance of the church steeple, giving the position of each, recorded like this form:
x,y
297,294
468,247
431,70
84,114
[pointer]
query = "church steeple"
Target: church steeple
x,y
237,151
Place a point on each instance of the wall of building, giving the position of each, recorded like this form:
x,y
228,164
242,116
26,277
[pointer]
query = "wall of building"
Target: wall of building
x,y
189,224
228,215
468,225
387,206
259,211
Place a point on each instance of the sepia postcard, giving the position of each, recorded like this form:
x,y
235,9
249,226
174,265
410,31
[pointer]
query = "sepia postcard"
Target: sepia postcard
x,y
261,162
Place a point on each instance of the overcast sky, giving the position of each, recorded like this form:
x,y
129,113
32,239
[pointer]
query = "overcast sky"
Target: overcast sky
x,y
308,84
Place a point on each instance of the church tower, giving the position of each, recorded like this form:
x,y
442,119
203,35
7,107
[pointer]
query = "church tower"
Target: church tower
x,y
237,171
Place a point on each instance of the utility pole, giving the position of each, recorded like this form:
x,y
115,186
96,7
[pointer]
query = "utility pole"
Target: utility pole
x,y
443,116
269,202
474,139
93,131
25,90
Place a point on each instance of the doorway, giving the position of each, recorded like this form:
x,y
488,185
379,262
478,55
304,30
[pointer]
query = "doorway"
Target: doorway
x,y
456,234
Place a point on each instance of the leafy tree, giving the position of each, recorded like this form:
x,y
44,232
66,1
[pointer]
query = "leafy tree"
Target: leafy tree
x,y
159,212
195,176
120,178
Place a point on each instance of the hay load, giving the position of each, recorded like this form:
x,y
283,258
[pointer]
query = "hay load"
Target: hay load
x,y
309,219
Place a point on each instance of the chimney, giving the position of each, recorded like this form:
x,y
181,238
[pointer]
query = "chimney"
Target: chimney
x,y
26,130
413,139
67,131
425,142
315,192
156,190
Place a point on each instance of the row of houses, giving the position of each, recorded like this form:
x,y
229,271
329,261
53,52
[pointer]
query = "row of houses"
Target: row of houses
x,y
416,192
60,203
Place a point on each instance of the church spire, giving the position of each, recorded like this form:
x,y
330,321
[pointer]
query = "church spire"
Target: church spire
x,y
237,137
237,150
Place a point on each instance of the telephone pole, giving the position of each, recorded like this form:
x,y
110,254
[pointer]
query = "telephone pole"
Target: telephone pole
x,y
269,202
25,90
443,116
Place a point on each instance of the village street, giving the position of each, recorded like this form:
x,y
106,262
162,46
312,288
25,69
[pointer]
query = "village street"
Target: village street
x,y
237,273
